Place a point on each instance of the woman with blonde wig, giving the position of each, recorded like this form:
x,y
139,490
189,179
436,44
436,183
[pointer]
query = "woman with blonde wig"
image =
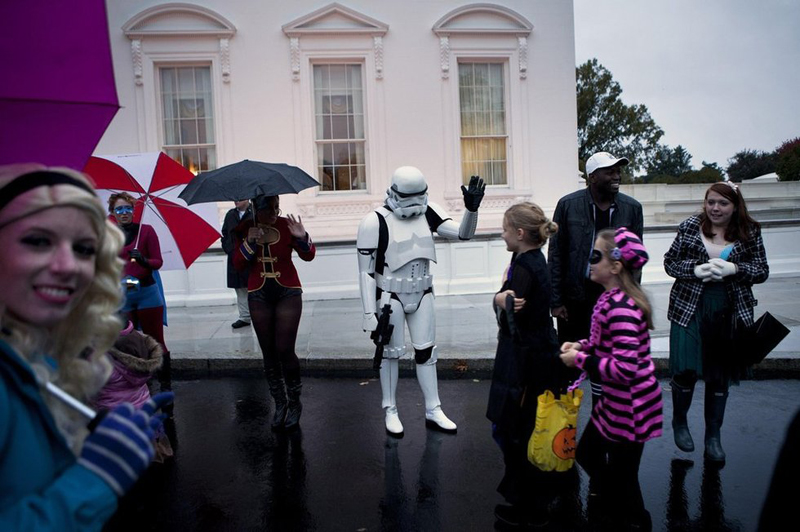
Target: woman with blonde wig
x,y
59,295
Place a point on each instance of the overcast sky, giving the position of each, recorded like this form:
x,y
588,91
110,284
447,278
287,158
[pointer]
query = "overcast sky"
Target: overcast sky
x,y
718,76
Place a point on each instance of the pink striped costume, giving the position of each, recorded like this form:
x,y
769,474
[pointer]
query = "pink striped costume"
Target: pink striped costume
x,y
617,353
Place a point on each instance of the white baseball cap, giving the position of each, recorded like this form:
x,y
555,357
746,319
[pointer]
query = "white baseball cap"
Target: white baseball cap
x,y
603,159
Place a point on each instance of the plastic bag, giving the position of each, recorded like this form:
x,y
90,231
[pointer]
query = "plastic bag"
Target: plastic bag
x,y
554,439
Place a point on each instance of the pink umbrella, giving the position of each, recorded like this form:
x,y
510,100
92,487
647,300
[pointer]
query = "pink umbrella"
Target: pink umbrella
x,y
156,180
57,95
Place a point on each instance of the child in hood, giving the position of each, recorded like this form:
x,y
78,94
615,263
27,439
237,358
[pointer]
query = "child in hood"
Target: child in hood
x,y
135,357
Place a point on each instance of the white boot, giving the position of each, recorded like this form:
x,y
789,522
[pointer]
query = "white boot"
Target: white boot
x,y
434,416
390,371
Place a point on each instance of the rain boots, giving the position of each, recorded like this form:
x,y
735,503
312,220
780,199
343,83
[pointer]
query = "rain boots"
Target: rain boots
x,y
681,401
434,416
277,389
295,408
389,374
715,401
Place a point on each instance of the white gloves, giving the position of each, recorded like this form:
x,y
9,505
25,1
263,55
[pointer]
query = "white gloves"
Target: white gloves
x,y
370,322
714,270
723,268
703,272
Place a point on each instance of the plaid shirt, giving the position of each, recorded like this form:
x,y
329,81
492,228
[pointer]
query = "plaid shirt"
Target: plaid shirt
x,y
688,251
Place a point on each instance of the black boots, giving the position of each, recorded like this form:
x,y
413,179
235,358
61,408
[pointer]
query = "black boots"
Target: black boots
x,y
715,401
293,386
681,401
277,389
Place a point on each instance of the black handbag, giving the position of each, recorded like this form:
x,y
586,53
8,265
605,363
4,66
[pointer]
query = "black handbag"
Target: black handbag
x,y
754,343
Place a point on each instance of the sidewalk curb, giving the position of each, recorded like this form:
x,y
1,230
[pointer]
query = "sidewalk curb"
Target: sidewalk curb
x,y
448,368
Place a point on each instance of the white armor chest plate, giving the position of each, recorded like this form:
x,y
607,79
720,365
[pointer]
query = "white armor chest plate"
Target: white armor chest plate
x,y
409,240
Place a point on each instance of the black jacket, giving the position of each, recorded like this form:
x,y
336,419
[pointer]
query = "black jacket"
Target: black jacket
x,y
526,363
236,279
568,254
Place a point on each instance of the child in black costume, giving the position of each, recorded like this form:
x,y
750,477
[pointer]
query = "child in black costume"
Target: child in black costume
x,y
526,363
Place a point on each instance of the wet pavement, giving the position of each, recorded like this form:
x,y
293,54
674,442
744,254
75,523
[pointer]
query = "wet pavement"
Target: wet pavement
x,y
340,472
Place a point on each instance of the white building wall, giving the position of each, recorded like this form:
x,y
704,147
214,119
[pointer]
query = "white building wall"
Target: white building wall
x,y
262,113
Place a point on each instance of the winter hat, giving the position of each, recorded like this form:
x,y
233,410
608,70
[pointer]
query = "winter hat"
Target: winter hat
x,y
26,189
630,248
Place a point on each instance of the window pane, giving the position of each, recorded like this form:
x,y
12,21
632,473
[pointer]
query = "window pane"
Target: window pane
x,y
337,78
202,78
338,127
188,131
358,127
342,178
186,80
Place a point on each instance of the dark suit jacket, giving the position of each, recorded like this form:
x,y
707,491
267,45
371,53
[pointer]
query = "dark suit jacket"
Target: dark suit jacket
x,y
236,279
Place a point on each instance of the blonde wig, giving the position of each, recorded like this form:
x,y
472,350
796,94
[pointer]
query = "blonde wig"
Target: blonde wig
x,y
79,343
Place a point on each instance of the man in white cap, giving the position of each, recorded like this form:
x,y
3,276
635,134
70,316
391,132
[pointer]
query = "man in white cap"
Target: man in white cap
x,y
580,216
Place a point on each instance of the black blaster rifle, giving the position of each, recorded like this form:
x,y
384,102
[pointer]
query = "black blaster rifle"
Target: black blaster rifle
x,y
381,335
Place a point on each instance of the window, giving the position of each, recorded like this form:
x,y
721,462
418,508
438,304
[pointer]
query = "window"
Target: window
x,y
339,116
484,139
188,117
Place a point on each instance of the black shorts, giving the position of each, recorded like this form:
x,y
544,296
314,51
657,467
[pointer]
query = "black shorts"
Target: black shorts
x,y
272,292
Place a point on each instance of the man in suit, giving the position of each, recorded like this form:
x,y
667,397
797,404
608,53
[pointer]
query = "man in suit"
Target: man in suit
x,y
236,279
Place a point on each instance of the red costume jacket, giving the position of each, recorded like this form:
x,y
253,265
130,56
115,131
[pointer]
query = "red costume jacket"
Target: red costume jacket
x,y
272,260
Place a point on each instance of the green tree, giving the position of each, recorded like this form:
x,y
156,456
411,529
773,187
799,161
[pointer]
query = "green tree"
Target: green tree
x,y
788,164
607,124
669,162
748,164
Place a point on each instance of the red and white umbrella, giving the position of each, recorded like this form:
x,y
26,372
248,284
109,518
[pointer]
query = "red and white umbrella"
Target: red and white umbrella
x,y
155,179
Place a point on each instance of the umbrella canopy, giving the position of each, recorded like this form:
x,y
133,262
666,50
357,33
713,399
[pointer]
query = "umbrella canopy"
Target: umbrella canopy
x,y
58,93
156,180
245,180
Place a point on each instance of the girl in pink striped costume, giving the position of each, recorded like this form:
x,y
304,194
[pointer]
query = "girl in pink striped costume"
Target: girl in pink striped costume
x,y
617,354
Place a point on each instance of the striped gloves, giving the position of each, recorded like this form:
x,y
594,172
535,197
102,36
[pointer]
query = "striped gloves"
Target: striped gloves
x,y
121,447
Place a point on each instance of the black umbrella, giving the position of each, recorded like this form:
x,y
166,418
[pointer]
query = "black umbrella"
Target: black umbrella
x,y
246,180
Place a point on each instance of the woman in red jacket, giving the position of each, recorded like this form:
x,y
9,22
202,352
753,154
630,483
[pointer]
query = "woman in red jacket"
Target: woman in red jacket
x,y
144,303
274,296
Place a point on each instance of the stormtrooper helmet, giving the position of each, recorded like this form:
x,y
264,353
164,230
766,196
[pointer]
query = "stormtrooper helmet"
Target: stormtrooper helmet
x,y
408,195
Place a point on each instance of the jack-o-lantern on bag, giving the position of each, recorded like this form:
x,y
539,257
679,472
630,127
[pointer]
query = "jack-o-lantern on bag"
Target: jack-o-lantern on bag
x,y
553,441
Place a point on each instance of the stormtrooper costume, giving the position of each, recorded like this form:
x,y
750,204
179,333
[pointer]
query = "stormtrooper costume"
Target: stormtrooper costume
x,y
395,248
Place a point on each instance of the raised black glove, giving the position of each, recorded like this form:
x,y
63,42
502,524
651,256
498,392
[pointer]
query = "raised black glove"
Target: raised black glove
x,y
474,194
139,258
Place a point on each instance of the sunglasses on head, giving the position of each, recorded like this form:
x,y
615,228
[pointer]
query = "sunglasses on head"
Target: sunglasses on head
x,y
123,209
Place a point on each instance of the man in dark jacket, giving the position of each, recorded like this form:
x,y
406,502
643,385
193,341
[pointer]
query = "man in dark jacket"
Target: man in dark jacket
x,y
580,216
236,279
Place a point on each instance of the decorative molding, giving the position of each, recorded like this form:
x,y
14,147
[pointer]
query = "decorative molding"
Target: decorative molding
x,y
489,204
377,45
444,55
225,59
334,19
338,209
487,19
178,19
523,56
294,57
136,53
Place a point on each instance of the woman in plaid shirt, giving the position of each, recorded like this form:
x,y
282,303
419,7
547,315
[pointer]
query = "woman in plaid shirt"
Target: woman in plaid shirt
x,y
716,258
